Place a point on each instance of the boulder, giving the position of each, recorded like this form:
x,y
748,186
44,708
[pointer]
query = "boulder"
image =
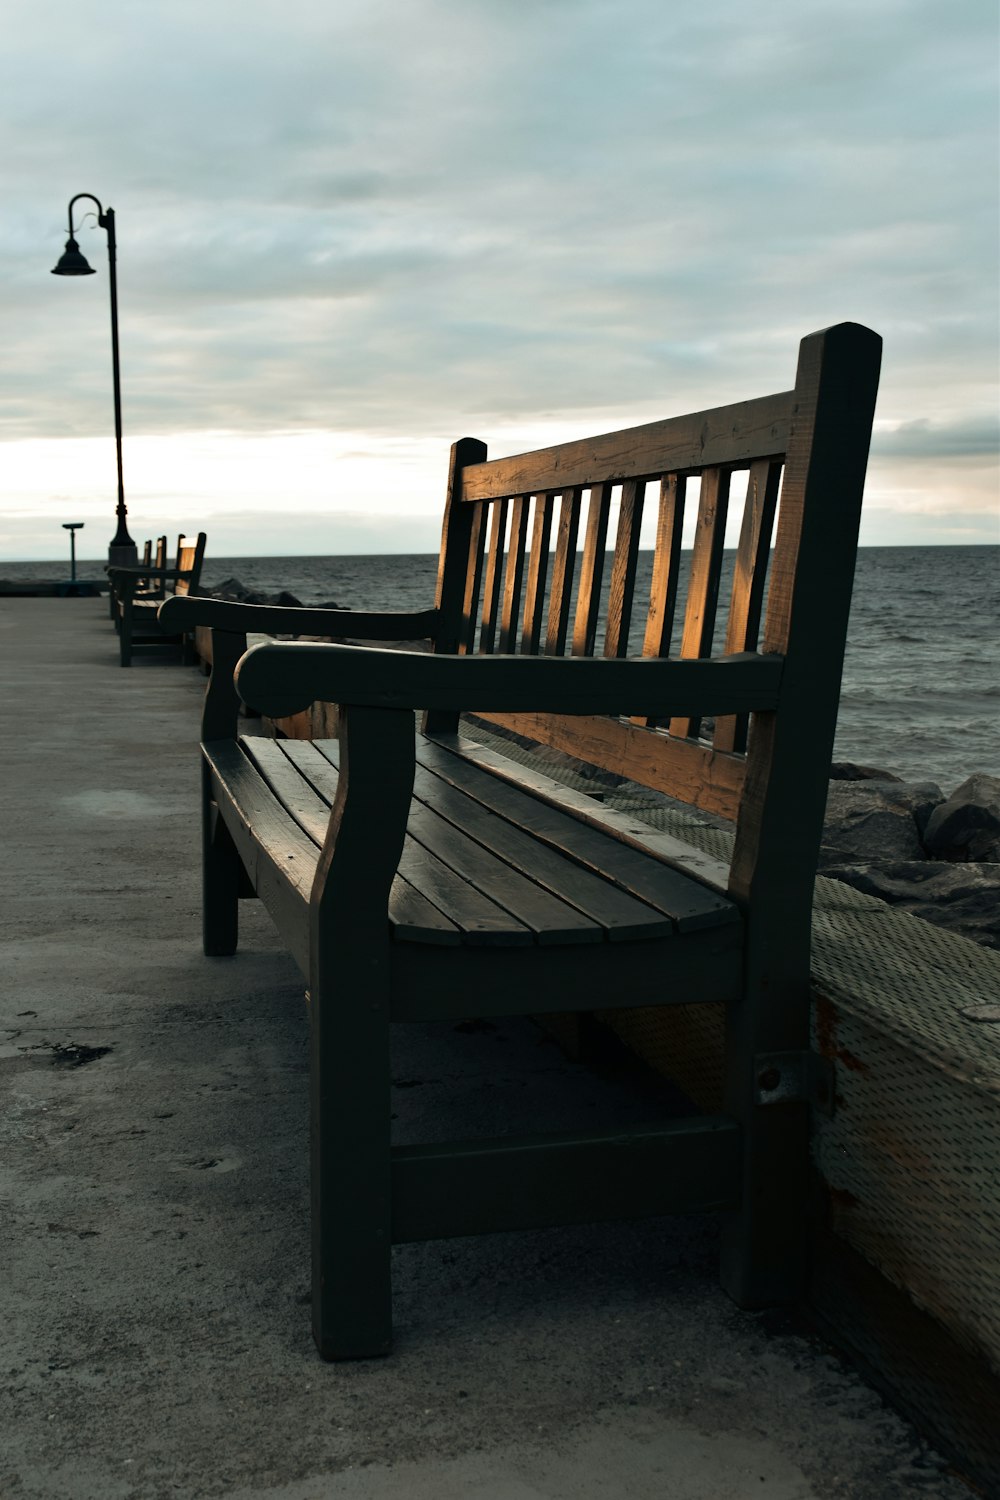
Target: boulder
x,y
964,898
237,592
848,770
875,822
967,826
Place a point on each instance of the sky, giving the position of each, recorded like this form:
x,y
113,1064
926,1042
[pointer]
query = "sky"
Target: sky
x,y
351,231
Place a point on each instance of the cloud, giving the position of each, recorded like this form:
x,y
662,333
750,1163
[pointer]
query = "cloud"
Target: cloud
x,y
413,219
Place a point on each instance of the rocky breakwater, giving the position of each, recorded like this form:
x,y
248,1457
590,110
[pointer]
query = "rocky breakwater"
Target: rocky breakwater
x,y
910,845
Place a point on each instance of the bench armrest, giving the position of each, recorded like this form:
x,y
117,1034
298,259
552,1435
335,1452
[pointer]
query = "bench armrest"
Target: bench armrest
x,y
282,678
176,615
124,574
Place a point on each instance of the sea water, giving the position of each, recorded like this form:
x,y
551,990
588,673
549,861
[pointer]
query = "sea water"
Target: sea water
x,y
921,687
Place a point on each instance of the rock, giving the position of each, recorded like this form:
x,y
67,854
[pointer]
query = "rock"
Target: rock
x,y
237,592
873,822
847,770
967,825
964,898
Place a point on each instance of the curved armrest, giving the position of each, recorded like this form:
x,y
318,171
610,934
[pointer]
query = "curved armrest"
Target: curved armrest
x,y
185,613
283,678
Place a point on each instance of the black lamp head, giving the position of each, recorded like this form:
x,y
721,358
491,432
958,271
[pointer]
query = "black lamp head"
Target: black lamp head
x,y
72,262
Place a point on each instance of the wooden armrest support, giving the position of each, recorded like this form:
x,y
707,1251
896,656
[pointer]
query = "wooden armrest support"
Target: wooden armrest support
x,y
270,619
283,678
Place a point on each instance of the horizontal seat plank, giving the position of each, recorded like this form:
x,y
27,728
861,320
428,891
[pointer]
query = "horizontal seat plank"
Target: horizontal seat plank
x,y
278,783
688,903
280,860
620,915
448,905
546,917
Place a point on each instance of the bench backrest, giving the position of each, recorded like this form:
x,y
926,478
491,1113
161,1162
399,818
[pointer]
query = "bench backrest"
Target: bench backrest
x,y
801,457
190,555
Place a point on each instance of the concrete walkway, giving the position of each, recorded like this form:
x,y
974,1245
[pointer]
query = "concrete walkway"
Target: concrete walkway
x,y
153,1175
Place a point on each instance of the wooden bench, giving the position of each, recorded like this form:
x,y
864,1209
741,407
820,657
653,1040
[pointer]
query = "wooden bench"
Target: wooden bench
x,y
143,583
137,593
417,876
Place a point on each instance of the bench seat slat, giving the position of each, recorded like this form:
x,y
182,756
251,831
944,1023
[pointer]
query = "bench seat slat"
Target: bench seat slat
x,y
683,899
548,918
295,826
619,914
448,900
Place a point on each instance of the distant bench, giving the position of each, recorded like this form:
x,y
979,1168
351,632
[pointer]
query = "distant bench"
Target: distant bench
x,y
137,593
417,877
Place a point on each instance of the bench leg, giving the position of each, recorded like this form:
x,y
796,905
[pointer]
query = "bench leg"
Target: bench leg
x,y
764,1245
349,1128
222,874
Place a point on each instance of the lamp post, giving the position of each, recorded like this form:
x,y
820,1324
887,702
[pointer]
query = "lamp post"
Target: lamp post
x,y
122,550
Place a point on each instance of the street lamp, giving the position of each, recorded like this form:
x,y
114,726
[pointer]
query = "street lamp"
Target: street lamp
x,y
122,550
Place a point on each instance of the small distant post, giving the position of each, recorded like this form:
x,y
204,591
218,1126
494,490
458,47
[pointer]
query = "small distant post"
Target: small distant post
x,y
72,527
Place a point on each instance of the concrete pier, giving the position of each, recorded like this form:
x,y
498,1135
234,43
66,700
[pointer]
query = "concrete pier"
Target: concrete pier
x,y
153,1170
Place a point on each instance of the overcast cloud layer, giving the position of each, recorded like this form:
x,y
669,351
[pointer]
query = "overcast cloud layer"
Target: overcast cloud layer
x,y
353,232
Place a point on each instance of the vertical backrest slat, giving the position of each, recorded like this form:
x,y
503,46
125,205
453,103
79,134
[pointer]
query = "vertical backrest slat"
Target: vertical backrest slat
x,y
494,576
749,581
563,566
473,581
538,566
666,571
588,603
666,567
703,585
161,552
622,589
514,572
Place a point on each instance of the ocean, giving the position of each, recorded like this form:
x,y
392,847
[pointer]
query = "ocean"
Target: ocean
x,y
921,689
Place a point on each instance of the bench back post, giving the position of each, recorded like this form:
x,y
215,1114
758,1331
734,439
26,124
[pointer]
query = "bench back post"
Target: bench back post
x,y
780,819
459,564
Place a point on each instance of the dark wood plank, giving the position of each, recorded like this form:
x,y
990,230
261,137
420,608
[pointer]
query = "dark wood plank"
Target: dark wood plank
x,y
687,904
280,860
474,580
500,830
703,966
494,576
666,571
429,903
514,572
703,584
538,564
732,435
530,1182
588,601
622,589
691,772
563,566
749,581
551,920
293,769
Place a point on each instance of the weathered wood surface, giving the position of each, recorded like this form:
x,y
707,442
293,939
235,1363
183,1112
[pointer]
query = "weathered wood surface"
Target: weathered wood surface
x,y
442,885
